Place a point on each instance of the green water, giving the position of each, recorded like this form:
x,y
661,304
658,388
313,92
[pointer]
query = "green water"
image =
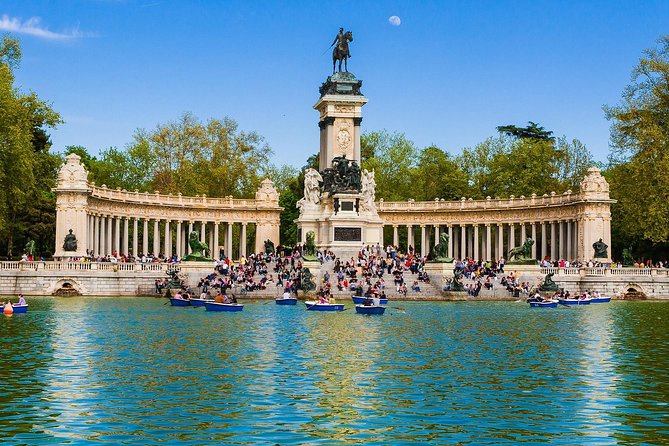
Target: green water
x,y
84,370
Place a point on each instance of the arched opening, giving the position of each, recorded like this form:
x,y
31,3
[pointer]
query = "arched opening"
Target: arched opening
x,y
67,289
634,292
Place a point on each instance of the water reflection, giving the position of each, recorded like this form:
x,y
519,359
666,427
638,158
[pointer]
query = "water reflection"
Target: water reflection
x,y
137,371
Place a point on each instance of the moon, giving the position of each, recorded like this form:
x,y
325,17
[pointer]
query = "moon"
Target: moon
x,y
394,20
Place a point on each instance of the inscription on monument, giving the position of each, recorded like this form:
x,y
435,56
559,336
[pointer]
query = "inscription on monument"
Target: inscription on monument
x,y
346,205
348,234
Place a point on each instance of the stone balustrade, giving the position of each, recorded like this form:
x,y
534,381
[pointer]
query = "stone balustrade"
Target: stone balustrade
x,y
83,266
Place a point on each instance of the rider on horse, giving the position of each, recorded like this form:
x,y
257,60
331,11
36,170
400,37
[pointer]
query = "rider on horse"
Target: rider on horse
x,y
342,43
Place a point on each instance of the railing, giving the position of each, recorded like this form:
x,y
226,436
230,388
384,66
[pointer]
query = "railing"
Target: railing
x,y
605,272
82,266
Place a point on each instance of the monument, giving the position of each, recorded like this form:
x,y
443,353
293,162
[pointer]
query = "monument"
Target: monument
x,y
339,198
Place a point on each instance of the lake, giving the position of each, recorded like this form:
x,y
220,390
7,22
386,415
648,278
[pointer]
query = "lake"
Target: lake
x,y
133,370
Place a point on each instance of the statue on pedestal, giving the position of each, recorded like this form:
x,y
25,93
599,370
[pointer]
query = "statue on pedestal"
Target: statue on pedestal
x,y
199,250
368,190
440,250
344,176
312,188
548,284
70,243
600,248
340,51
522,255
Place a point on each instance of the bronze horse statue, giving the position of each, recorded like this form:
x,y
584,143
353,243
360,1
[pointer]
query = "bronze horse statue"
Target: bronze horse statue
x,y
340,51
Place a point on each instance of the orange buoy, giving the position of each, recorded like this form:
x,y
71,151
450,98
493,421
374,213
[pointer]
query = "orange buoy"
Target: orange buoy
x,y
8,308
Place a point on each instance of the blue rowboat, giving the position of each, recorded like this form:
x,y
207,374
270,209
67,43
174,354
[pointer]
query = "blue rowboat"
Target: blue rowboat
x,y
286,301
370,309
575,301
179,302
593,300
547,304
215,306
198,302
361,300
315,306
20,308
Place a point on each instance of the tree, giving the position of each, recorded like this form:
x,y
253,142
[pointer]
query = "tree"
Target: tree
x,y
640,139
394,158
26,172
437,175
532,131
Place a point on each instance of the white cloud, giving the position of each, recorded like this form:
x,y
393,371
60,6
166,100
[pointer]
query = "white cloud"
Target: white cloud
x,y
394,20
33,27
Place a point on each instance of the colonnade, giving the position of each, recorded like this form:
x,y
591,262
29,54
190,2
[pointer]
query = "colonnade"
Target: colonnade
x,y
491,241
109,235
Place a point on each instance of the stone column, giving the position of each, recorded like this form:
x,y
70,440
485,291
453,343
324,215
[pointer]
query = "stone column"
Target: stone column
x,y
145,238
534,237
228,241
523,235
544,235
570,241
190,229
178,239
242,241
156,237
135,235
96,235
409,237
463,242
215,254
477,255
561,242
500,241
436,235
89,235
450,241
512,236
168,240
117,235
488,243
396,237
554,252
422,240
211,243
108,244
126,235
203,231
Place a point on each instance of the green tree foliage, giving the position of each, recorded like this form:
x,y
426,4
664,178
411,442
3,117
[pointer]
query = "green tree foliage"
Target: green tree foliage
x,y
393,158
194,157
640,141
27,170
532,131
437,175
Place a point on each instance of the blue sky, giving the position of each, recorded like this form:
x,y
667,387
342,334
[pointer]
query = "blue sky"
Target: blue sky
x,y
447,75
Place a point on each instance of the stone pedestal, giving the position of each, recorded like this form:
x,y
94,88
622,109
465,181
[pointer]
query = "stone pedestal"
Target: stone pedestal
x,y
71,207
440,273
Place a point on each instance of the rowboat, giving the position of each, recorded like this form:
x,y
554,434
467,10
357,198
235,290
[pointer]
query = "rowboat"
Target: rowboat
x,y
20,308
575,301
215,306
544,304
361,300
179,302
286,300
600,299
370,309
315,306
198,302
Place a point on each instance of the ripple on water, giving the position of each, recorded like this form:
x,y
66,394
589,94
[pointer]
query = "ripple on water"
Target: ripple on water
x,y
134,370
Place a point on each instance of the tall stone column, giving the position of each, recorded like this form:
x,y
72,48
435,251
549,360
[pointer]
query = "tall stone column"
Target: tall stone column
x,y
145,238
463,242
96,235
523,235
125,236
570,241
561,241
190,230
211,243
488,243
228,241
512,236
168,240
477,253
500,241
108,244
450,241
410,242
544,236
117,235
534,238
554,252
203,232
178,240
422,241
156,237
215,251
436,235
135,237
89,225
242,242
